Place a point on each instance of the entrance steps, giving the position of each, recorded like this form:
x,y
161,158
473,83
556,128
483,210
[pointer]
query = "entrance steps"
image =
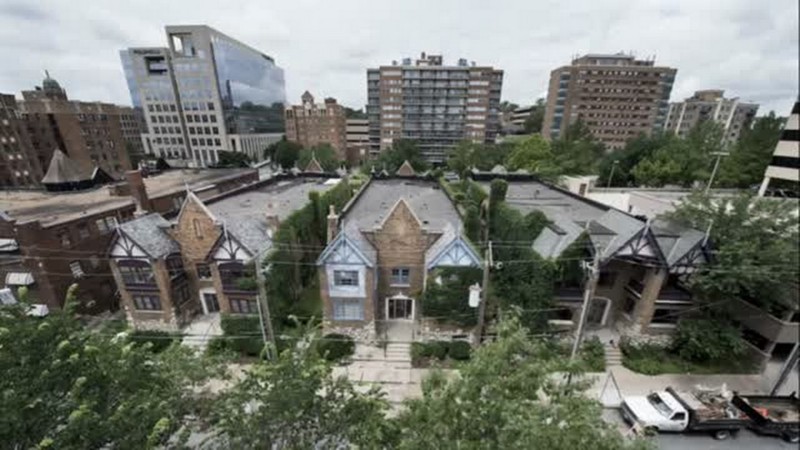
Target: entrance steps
x,y
613,355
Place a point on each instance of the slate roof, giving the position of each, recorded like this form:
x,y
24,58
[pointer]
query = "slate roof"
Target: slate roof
x,y
150,233
609,229
62,169
428,202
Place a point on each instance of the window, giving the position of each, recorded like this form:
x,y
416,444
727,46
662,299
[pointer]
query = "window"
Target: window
x,y
83,231
147,302
198,231
77,270
345,277
244,306
347,309
137,274
400,276
175,265
203,271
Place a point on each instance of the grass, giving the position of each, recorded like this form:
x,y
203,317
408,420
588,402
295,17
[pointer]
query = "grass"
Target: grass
x,y
650,359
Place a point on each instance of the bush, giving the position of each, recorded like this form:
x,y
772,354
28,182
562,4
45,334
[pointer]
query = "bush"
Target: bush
x,y
447,303
217,345
335,347
438,349
418,353
704,340
160,340
459,350
242,334
593,355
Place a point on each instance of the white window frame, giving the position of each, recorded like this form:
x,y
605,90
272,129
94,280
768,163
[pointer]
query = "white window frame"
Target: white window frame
x,y
398,279
346,291
343,309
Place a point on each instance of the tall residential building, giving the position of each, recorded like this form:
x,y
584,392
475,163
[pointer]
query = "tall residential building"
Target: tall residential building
x,y
90,133
310,124
435,105
132,123
204,93
357,141
783,171
617,96
731,113
19,166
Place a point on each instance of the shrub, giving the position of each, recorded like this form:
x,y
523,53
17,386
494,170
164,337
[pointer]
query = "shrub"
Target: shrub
x,y
217,346
335,347
438,349
704,340
418,353
448,302
243,334
459,350
593,355
160,340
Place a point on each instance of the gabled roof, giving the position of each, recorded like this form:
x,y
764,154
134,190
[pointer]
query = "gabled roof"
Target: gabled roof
x,y
405,170
191,197
150,234
452,250
62,169
342,250
313,166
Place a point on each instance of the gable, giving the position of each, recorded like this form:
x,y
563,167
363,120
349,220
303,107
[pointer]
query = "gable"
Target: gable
x,y
401,220
689,262
124,248
343,251
229,249
642,245
457,253
196,229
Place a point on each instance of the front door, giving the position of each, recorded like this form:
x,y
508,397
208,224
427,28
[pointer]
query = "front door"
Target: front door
x,y
399,308
211,302
597,312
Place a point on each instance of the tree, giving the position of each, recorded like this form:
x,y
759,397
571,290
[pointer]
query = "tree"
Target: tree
x,y
750,156
467,154
65,387
532,154
233,159
635,151
756,248
392,158
325,154
284,153
576,152
506,106
533,123
511,394
295,402
351,113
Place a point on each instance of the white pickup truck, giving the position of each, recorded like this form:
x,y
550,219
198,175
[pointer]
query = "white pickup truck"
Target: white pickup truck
x,y
719,415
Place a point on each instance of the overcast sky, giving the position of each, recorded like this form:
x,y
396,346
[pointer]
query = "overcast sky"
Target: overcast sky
x,y
748,48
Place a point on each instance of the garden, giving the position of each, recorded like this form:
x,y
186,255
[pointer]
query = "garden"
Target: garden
x,y
441,354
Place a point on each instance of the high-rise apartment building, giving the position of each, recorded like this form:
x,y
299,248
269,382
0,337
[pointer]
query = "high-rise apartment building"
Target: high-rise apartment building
x,y
132,124
731,114
617,96
19,166
310,124
204,93
435,105
357,141
90,133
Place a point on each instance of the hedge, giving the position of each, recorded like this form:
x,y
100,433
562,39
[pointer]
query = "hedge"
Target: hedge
x,y
439,350
242,334
160,340
335,347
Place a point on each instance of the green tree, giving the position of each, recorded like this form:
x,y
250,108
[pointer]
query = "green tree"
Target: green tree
x,y
467,154
626,158
283,153
392,158
509,395
67,388
750,156
576,152
295,402
233,159
351,113
325,154
533,123
756,248
534,155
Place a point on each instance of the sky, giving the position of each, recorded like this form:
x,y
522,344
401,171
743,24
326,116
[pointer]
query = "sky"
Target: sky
x,y
747,48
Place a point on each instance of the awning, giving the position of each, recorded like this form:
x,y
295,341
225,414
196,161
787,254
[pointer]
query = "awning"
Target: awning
x,y
8,245
19,279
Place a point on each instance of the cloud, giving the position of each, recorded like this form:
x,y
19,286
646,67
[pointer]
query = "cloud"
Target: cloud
x,y
750,49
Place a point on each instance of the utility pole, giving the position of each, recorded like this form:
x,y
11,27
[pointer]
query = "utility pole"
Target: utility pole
x,y
787,368
487,263
719,156
591,285
263,308
611,176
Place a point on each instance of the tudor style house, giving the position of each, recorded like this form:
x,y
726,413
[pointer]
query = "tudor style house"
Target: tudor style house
x,y
381,251
204,261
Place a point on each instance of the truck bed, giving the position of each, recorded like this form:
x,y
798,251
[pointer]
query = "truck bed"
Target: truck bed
x,y
779,415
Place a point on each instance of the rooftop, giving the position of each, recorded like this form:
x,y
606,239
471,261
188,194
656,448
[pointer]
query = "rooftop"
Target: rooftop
x,y
55,208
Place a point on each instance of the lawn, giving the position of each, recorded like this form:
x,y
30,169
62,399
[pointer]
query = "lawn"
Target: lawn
x,y
652,359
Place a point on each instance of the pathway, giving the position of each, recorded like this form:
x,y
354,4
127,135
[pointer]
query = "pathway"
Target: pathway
x,y
200,331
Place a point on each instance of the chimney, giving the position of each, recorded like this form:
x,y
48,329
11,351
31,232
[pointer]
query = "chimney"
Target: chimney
x,y
333,224
273,222
138,191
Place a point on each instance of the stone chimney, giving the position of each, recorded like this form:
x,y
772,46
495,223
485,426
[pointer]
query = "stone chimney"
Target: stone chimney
x,y
138,191
333,224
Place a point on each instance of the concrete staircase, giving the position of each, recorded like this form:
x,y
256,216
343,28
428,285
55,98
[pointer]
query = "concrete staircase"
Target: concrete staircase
x,y
398,354
613,355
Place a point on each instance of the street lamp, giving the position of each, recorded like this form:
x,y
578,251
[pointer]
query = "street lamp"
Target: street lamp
x,y
719,156
611,177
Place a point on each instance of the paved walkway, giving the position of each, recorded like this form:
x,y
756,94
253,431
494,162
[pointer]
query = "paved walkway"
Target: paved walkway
x,y
201,330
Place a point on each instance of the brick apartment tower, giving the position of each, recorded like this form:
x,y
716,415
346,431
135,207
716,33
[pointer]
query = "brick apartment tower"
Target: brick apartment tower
x,y
91,133
617,96
310,124
19,166
732,114
435,105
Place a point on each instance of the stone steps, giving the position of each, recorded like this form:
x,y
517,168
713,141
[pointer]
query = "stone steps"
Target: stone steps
x,y
613,355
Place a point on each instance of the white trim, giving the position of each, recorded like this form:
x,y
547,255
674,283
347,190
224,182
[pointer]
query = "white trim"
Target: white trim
x,y
206,290
359,291
401,297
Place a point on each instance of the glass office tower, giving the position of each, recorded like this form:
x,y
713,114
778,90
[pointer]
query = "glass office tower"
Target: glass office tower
x,y
205,93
